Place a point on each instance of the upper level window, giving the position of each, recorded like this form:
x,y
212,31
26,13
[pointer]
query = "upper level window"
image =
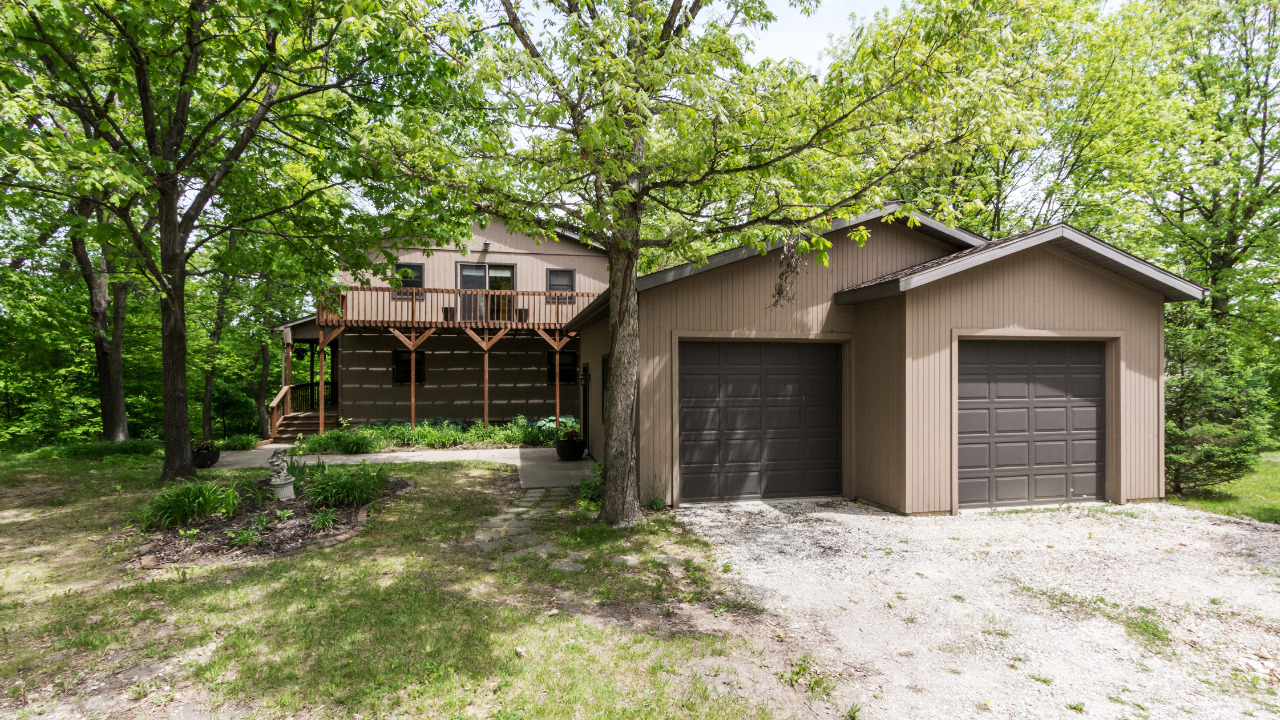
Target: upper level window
x,y
410,274
561,281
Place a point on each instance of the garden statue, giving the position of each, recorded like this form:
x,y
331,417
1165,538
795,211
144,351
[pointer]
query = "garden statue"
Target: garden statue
x,y
281,480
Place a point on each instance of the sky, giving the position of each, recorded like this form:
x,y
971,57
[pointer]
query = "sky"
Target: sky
x,y
793,35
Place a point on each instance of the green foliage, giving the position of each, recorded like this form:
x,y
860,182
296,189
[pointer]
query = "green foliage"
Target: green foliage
x,y
1215,410
189,501
323,519
658,504
101,449
239,442
591,489
433,433
246,537
344,485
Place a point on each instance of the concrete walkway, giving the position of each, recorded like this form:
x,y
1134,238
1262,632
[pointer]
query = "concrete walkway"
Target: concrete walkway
x,y
538,467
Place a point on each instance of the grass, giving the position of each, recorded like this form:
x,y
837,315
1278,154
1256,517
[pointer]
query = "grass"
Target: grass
x,y
433,433
403,619
1142,623
1256,495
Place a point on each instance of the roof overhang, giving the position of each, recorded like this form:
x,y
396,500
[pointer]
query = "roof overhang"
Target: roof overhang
x,y
594,312
1063,237
295,323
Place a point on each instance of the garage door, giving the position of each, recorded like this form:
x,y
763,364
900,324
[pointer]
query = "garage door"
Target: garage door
x,y
1030,422
759,420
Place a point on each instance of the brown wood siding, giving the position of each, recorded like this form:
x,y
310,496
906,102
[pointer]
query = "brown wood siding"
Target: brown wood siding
x,y
453,386
532,260
733,302
880,389
1041,292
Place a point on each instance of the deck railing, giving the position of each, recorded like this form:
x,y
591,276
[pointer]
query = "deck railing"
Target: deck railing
x,y
306,396
450,308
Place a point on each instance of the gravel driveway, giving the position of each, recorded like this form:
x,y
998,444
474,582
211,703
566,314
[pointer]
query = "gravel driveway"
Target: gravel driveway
x,y
1139,611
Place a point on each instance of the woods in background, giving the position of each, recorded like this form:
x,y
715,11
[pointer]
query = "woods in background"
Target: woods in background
x,y
179,177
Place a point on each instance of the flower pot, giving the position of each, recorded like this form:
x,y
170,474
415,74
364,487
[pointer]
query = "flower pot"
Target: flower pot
x,y
205,458
570,449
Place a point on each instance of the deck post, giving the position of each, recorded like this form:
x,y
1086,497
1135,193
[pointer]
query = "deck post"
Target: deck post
x,y
486,378
320,390
413,382
557,383
323,344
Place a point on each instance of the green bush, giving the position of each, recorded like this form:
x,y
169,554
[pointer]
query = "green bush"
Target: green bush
x,y
239,442
323,519
189,501
592,489
340,442
344,485
100,449
435,433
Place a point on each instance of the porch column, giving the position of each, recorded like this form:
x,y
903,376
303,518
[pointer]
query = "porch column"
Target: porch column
x,y
323,344
286,369
557,344
412,342
486,344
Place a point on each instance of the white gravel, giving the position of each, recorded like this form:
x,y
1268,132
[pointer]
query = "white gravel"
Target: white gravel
x,y
951,617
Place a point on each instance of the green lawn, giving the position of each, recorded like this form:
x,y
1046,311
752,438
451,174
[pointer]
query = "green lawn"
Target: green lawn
x,y
1256,496
405,618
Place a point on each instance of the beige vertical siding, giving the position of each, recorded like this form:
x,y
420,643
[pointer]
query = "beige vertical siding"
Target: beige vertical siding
x,y
532,260
593,344
734,301
880,390
453,386
1041,290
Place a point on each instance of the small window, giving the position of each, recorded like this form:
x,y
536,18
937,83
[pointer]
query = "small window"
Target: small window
x,y
561,281
568,367
400,367
410,274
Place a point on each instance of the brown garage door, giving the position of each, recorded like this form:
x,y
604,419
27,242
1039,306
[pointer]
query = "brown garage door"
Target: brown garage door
x,y
759,420
1029,421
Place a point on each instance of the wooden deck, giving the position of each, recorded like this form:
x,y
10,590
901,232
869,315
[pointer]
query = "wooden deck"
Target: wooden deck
x,y
451,308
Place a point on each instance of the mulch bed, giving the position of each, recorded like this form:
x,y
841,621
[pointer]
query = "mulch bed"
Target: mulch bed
x,y
213,544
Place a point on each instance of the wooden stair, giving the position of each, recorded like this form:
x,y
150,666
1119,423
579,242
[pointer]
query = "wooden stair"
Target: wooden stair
x,y
294,425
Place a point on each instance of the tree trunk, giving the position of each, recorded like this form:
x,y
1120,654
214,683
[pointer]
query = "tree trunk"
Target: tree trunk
x,y
206,407
106,320
621,505
173,338
259,389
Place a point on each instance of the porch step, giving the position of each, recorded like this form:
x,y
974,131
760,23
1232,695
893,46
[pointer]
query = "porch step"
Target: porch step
x,y
306,423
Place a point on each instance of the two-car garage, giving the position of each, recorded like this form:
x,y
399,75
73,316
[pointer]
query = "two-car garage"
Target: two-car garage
x,y
763,420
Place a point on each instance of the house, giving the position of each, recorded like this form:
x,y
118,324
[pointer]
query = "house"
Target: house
x,y
476,333
926,371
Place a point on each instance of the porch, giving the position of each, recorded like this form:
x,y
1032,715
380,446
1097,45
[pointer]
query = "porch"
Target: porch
x,y
417,321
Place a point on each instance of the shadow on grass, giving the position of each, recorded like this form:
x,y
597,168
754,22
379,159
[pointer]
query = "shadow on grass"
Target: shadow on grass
x,y
402,617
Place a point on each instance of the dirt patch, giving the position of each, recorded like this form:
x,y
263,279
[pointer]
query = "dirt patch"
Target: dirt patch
x,y
275,528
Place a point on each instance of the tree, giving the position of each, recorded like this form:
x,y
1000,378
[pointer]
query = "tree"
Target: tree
x,y
1215,410
153,114
639,124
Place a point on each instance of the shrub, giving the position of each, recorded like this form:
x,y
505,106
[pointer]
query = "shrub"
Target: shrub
x,y
351,485
239,442
189,501
103,448
592,489
323,519
339,442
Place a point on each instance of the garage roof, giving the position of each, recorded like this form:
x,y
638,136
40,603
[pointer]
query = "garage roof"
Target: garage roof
x,y
957,238
1061,236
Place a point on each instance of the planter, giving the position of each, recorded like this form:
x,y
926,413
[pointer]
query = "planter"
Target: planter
x,y
570,449
205,458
